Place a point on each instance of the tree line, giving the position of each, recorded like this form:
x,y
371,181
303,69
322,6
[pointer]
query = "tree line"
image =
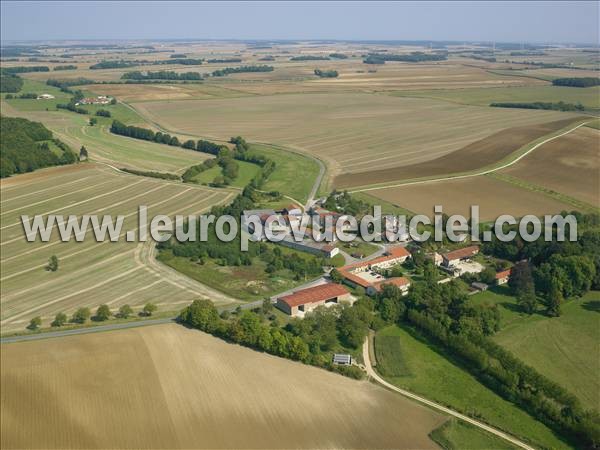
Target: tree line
x,y
25,69
554,106
24,147
381,58
308,341
242,69
224,60
65,67
161,75
309,58
10,82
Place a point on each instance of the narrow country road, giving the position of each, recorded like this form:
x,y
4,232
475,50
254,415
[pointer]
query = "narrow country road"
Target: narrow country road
x,y
374,376
477,174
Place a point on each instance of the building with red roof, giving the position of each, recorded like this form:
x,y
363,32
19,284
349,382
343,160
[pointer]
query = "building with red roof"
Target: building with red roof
x,y
452,258
503,276
305,300
401,283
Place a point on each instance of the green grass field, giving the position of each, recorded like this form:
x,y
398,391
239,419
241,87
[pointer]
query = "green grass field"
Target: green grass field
x,y
412,364
294,173
247,171
242,282
588,97
559,348
458,435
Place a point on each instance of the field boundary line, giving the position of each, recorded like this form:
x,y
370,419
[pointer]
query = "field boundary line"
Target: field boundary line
x,y
375,376
43,190
476,174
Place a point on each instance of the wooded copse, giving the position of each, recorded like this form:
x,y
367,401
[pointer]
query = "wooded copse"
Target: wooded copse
x,y
24,147
326,73
161,75
582,82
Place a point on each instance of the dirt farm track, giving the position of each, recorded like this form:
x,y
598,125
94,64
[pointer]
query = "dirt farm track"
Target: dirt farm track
x,y
171,387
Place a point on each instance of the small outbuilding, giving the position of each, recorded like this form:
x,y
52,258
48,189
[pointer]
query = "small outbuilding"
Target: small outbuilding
x,y
342,359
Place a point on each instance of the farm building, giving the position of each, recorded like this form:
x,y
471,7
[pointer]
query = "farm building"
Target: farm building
x,y
364,274
305,300
100,100
45,97
454,257
310,246
502,277
401,283
479,286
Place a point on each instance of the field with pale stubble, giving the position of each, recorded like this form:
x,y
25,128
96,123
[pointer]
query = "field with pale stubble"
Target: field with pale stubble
x,y
172,387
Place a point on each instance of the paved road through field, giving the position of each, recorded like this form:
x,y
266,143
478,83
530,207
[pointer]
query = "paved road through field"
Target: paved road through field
x,y
375,376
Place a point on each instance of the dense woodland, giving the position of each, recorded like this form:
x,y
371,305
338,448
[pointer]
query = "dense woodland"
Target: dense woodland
x,y
24,147
10,82
381,58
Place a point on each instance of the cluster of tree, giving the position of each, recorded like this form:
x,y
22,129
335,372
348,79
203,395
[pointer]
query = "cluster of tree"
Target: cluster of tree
x,y
65,85
183,61
552,270
193,171
338,56
25,69
577,82
113,64
178,55
145,134
161,75
559,106
152,174
377,58
309,58
242,69
23,147
224,60
344,203
65,67
506,375
29,95
10,82
103,113
491,59
294,342
326,73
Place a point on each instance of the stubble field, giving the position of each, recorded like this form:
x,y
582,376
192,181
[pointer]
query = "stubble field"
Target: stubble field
x,y
91,273
172,387
364,132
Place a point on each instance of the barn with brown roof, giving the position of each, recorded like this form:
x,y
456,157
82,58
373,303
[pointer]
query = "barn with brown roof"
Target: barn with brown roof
x,y
305,300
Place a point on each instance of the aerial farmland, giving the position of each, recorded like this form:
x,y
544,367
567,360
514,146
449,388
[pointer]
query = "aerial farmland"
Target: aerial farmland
x,y
220,342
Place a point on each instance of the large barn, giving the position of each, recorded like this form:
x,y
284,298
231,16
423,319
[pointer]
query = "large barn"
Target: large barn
x,y
305,300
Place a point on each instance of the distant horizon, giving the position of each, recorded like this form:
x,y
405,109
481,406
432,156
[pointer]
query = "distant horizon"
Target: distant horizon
x,y
312,40
536,22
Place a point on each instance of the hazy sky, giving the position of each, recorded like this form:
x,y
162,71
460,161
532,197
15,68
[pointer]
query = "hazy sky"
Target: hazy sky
x,y
498,21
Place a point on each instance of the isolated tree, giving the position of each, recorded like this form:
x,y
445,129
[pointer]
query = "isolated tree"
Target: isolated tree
x,y
52,264
93,121
35,323
102,313
488,276
81,315
83,153
59,320
336,276
554,299
527,300
149,309
113,101
125,311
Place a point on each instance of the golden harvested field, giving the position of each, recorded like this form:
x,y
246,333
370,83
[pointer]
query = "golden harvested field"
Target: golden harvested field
x,y
172,387
494,198
569,165
352,132
91,273
476,155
